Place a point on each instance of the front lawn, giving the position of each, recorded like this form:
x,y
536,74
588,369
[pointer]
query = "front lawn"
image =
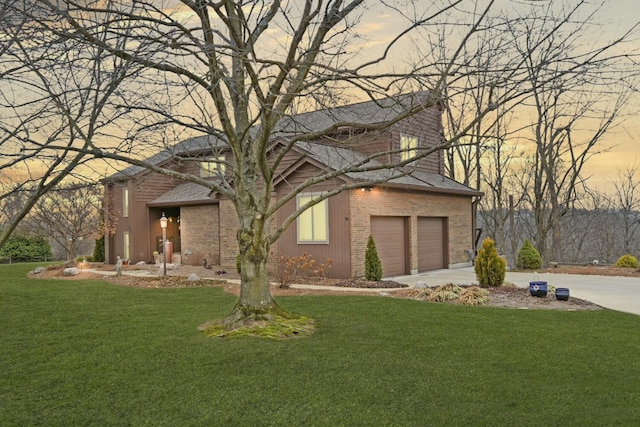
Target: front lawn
x,y
78,352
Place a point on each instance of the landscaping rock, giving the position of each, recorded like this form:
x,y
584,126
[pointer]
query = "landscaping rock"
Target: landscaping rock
x,y
38,270
193,277
420,285
141,263
71,271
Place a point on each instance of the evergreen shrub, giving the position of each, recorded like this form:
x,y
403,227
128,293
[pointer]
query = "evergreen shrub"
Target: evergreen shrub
x,y
372,264
98,250
627,261
528,257
490,268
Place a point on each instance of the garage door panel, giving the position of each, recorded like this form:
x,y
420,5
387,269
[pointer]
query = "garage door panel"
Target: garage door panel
x,y
389,233
432,244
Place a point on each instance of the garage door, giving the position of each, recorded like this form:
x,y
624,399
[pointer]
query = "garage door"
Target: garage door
x,y
432,244
389,233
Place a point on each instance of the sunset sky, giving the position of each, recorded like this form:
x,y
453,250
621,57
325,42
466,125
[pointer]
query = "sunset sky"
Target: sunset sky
x,y
621,144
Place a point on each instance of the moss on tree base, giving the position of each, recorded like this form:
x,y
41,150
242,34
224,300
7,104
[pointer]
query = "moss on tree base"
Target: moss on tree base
x,y
273,323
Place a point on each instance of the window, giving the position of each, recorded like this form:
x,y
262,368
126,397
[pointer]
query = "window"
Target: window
x,y
126,245
213,166
125,202
408,145
313,223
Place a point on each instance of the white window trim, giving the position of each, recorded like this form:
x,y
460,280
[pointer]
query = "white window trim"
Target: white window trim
x,y
125,202
213,166
408,151
126,237
324,204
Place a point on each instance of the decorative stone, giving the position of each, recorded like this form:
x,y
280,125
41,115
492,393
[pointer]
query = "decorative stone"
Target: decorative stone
x,y
420,285
38,270
141,263
170,266
193,277
71,271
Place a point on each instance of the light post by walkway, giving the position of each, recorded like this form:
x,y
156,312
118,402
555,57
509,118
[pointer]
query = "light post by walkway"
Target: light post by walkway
x,y
163,225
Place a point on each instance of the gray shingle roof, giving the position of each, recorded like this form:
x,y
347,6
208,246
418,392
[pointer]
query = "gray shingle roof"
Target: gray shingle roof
x,y
337,158
184,193
369,112
191,145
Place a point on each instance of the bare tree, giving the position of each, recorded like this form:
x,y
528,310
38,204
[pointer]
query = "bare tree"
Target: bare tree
x,y
144,73
58,99
627,203
577,94
69,216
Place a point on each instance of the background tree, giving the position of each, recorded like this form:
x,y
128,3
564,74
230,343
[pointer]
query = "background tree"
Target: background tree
x,y
578,95
69,216
627,203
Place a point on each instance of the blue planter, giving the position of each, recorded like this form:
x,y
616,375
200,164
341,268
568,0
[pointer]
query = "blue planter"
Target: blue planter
x,y
562,294
538,289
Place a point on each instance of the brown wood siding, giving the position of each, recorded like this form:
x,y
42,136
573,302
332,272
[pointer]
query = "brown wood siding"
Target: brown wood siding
x,y
427,127
339,246
432,243
390,236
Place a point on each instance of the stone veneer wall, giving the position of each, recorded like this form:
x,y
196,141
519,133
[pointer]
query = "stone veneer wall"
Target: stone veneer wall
x,y
389,202
200,234
228,235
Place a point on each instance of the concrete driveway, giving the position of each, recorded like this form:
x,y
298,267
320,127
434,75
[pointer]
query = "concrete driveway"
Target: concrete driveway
x,y
616,293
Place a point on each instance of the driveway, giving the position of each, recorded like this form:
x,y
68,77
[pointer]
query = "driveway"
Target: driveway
x,y
616,293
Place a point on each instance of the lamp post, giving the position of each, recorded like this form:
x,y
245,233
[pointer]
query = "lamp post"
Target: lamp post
x,y
163,225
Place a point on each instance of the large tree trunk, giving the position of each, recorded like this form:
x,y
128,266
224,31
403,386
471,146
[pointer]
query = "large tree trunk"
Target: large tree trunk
x,y
255,302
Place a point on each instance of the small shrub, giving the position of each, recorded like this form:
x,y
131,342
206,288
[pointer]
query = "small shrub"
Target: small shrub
x,y
473,295
489,267
24,248
299,268
627,261
372,264
528,257
448,292
98,250
420,293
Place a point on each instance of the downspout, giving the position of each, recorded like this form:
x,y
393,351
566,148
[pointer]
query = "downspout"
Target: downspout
x,y
476,232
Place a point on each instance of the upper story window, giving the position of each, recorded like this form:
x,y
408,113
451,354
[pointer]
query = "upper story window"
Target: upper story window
x,y
212,166
125,202
313,223
408,145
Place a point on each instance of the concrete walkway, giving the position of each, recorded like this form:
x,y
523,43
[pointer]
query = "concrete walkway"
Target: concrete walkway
x,y
616,293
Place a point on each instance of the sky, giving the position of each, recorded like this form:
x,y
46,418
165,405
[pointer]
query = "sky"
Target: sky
x,y
622,143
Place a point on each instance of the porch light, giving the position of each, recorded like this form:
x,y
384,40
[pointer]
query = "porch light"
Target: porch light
x,y
163,225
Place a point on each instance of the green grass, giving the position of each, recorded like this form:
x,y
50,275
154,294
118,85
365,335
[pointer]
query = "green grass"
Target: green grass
x,y
90,353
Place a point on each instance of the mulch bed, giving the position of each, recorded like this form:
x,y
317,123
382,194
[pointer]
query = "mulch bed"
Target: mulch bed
x,y
505,296
358,283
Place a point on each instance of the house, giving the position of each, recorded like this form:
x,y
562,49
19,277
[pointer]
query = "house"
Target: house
x,y
421,221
